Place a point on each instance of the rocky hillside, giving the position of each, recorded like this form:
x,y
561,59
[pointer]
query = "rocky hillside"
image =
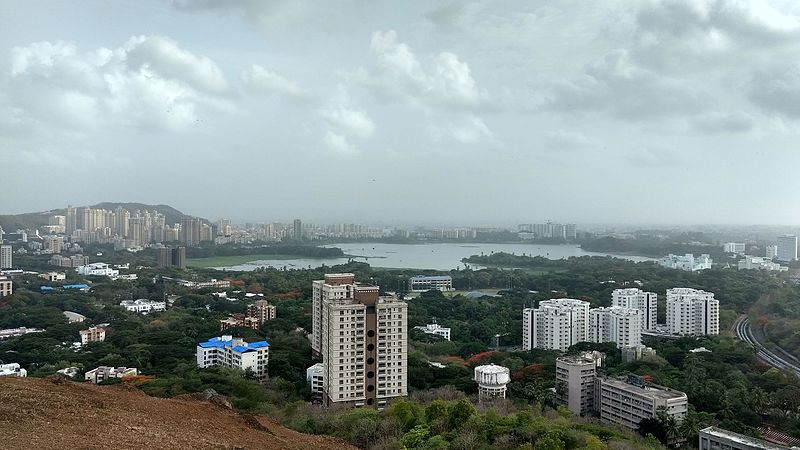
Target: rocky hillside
x,y
53,413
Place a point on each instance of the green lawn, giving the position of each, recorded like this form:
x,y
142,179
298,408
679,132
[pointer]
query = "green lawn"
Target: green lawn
x,y
227,261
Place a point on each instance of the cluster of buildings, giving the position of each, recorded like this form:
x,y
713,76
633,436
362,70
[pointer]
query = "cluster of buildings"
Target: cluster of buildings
x,y
15,332
103,373
362,339
258,314
143,306
558,324
734,247
687,262
624,402
73,261
548,230
758,263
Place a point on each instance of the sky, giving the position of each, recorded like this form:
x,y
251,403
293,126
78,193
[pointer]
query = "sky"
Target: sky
x,y
471,112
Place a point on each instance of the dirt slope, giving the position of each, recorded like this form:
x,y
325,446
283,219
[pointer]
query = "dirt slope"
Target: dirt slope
x,y
43,414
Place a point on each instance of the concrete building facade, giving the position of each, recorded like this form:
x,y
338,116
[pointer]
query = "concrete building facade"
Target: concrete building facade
x,y
616,324
362,338
646,302
422,283
93,334
713,438
6,257
575,383
435,329
6,286
627,402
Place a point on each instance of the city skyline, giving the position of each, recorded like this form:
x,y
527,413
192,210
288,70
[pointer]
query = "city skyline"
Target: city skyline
x,y
467,111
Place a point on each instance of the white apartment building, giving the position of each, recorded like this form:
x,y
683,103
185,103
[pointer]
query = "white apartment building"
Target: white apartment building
x,y
435,329
12,370
6,286
103,373
97,269
646,302
713,438
758,263
362,338
422,283
616,324
575,383
627,402
93,334
686,262
6,257
733,247
234,352
315,376
692,312
143,306
556,324
787,248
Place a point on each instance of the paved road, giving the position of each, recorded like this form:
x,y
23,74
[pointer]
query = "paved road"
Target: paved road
x,y
744,333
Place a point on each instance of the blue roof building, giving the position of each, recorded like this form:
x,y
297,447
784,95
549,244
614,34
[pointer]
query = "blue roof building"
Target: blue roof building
x,y
234,352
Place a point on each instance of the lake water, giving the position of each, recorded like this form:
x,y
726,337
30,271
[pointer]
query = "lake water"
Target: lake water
x,y
423,256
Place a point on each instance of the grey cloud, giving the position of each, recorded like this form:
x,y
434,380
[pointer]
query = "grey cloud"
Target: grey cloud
x,y
654,158
777,90
735,122
567,140
614,84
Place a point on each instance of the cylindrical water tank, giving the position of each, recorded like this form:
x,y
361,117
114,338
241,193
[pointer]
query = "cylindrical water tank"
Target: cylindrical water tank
x,y
492,375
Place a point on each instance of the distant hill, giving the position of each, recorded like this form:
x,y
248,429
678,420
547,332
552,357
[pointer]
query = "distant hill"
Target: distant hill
x,y
12,222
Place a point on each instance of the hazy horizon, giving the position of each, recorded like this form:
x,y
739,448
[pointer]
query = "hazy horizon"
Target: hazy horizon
x,y
656,112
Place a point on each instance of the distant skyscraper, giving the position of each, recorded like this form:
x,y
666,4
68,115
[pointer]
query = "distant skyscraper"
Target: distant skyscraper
x,y
6,261
172,257
556,324
297,230
72,220
787,247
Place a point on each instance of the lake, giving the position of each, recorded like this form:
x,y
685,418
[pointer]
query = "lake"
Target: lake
x,y
423,256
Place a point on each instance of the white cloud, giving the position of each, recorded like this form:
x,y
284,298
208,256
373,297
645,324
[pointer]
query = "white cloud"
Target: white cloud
x,y
261,79
163,56
398,75
338,142
148,82
351,121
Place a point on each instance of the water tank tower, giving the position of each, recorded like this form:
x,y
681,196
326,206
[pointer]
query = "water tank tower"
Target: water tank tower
x,y
492,380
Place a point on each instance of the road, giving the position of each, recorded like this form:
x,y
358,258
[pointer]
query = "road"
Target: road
x,y
744,333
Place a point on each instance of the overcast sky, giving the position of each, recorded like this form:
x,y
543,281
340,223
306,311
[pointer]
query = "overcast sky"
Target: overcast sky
x,y
366,111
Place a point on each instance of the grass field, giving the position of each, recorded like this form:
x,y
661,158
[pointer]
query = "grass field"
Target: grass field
x,y
226,261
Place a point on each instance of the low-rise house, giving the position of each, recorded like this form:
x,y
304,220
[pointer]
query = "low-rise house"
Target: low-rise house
x,y
97,269
15,332
104,373
93,334
73,317
53,276
12,370
435,329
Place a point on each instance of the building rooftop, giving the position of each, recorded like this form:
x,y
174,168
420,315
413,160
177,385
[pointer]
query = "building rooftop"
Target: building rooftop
x,y
646,389
237,345
750,442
